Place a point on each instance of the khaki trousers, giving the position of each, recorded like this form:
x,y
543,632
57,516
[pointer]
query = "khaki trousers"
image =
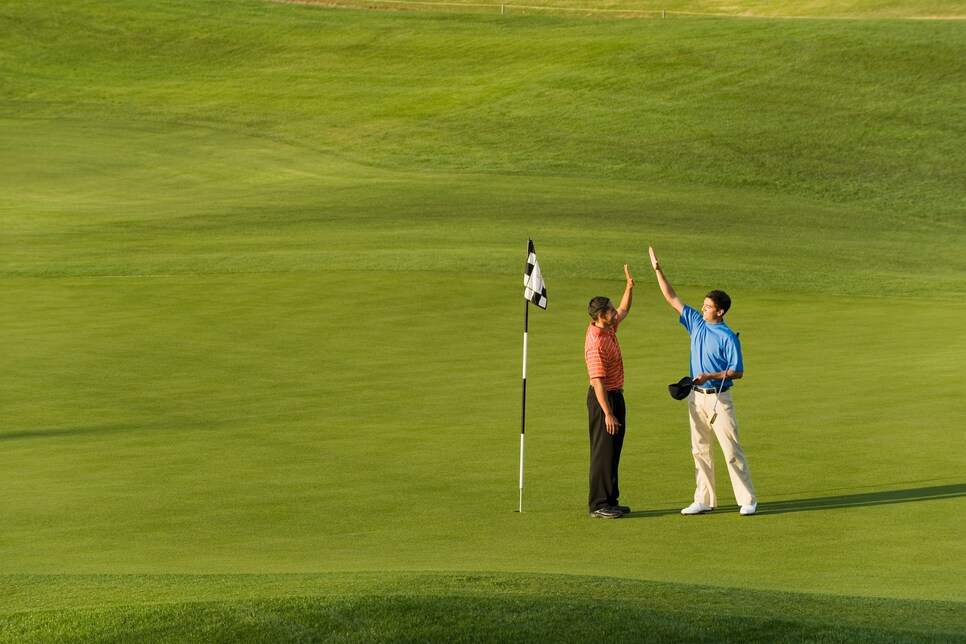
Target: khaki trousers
x,y
726,429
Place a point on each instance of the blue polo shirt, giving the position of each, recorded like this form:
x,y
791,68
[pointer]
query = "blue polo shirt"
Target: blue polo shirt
x,y
714,347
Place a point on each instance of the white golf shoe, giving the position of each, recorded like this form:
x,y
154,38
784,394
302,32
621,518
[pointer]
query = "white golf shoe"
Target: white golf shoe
x,y
697,508
748,510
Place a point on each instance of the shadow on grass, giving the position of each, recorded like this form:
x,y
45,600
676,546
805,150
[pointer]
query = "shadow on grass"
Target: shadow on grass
x,y
866,499
62,432
58,432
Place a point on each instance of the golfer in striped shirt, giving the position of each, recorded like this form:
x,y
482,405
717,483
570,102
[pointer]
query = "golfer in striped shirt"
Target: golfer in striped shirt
x,y
605,402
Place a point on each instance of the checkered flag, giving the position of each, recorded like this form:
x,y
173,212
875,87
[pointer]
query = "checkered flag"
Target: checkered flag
x,y
536,290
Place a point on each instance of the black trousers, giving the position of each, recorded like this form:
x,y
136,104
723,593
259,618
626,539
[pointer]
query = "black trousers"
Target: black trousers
x,y
605,449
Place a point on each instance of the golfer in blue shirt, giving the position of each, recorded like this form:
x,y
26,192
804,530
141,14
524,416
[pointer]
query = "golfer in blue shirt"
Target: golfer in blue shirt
x,y
715,365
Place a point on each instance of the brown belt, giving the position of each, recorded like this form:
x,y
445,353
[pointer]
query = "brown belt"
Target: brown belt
x,y
710,391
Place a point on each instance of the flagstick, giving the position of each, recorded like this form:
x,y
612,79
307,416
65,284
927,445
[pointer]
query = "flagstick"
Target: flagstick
x,y
523,416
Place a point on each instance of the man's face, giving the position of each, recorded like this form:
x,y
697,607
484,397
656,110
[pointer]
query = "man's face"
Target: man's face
x,y
710,312
608,316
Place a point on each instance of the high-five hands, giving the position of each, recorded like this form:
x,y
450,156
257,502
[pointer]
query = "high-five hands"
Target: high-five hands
x,y
650,251
630,280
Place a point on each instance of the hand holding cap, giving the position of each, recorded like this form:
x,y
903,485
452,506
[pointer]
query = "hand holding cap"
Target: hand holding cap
x,y
681,389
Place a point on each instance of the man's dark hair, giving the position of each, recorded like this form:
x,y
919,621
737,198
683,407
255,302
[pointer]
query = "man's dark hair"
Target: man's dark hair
x,y
720,299
597,306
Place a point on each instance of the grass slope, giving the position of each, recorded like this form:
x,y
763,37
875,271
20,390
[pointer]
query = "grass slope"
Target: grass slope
x,y
259,295
822,9
478,607
864,115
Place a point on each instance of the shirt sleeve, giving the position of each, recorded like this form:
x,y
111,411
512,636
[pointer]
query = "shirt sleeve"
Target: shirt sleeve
x,y
735,363
595,362
690,318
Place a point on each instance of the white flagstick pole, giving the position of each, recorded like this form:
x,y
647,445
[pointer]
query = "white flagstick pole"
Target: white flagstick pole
x,y
523,416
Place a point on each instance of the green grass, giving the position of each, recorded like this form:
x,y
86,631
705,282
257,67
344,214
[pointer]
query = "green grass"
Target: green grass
x,y
420,607
822,9
260,278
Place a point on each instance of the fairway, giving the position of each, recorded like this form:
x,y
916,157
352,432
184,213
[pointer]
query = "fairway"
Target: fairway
x,y
260,299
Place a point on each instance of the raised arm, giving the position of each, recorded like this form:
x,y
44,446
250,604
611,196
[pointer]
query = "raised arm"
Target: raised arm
x,y
625,306
669,294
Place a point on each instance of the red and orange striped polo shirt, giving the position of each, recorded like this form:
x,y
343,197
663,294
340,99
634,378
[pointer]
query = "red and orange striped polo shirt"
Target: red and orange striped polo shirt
x,y
603,355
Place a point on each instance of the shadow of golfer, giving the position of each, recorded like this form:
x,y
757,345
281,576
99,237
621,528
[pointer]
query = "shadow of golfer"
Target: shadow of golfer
x,y
643,514
866,499
62,432
56,432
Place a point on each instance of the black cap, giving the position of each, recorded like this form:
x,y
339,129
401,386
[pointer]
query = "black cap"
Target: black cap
x,y
680,389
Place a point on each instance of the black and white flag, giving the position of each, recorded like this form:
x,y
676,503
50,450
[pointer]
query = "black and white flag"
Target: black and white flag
x,y
536,290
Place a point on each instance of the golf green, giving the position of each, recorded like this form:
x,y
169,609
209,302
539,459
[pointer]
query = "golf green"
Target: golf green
x,y
261,306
